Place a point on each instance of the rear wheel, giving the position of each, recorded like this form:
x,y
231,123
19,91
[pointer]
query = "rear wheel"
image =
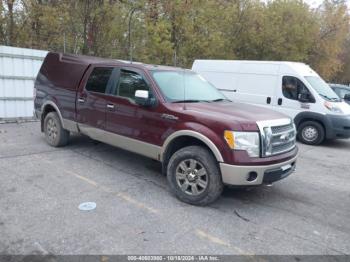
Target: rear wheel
x,y
54,133
311,133
194,176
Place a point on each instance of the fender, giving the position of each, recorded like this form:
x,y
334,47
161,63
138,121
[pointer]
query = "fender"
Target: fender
x,y
51,103
66,124
196,135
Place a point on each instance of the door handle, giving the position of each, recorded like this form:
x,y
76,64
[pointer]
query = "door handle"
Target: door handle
x,y
81,100
279,101
110,106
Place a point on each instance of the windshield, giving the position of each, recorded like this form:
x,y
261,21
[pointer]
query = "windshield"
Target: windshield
x,y
186,86
322,88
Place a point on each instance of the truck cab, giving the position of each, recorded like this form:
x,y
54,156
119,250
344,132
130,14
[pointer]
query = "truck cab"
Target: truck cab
x,y
171,115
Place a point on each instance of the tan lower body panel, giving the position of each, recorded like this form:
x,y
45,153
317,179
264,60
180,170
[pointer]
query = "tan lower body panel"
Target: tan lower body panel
x,y
129,144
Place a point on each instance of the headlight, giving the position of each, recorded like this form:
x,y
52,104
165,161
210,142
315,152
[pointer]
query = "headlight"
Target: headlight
x,y
247,141
332,107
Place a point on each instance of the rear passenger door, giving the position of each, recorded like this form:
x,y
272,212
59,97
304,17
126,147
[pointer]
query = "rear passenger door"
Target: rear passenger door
x,y
91,99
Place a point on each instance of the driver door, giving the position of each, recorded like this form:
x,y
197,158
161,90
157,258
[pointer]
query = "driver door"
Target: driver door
x,y
287,96
128,119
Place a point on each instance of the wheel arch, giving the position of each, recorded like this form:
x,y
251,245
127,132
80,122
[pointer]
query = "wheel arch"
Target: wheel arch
x,y
47,107
182,138
311,116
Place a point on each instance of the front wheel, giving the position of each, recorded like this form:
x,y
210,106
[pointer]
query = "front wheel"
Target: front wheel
x,y
194,176
311,133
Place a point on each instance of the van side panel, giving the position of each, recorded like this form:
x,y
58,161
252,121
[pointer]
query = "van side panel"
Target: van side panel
x,y
57,82
256,88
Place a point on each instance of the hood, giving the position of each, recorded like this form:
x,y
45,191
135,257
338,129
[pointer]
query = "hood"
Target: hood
x,y
245,115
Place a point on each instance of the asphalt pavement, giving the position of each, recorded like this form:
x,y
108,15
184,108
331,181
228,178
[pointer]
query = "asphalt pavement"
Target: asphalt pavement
x,y
41,188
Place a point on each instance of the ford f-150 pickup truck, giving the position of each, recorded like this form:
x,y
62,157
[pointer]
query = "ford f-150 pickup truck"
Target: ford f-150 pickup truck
x,y
169,114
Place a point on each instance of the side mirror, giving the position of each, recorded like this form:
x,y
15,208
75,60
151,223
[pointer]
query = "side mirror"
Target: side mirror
x,y
142,98
304,97
347,97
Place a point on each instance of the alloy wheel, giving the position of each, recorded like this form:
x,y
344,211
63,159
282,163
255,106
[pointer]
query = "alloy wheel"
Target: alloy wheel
x,y
191,177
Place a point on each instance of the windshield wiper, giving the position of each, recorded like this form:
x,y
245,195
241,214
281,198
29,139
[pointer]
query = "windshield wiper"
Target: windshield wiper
x,y
330,98
220,99
189,101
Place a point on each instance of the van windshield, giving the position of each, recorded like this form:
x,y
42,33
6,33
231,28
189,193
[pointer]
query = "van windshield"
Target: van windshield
x,y
186,86
322,88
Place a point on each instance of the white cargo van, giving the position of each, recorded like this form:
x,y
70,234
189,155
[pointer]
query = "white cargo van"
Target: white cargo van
x,y
288,87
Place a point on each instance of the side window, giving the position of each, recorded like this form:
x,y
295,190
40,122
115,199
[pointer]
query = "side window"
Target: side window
x,y
292,87
98,79
342,92
129,82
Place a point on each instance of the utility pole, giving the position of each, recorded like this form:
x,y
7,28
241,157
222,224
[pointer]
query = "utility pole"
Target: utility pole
x,y
131,13
64,42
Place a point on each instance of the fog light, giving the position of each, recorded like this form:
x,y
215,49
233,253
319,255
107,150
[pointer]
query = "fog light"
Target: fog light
x,y
252,176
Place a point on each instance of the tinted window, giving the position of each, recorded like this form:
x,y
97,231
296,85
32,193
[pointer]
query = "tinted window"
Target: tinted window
x,y
98,79
292,87
129,82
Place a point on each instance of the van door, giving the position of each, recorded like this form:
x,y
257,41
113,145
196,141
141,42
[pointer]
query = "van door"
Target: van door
x,y
288,96
91,100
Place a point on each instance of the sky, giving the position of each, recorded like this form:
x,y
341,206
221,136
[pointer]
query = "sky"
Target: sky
x,y
317,3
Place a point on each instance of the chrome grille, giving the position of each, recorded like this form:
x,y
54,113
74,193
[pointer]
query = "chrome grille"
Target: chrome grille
x,y
278,136
280,129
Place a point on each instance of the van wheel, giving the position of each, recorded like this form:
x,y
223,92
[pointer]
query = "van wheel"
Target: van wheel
x,y
311,133
54,133
194,176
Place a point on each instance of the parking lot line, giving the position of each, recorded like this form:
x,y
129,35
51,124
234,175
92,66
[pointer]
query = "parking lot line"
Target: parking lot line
x,y
204,235
120,195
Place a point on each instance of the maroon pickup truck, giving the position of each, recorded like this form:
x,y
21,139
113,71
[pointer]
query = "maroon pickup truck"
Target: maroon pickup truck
x,y
169,114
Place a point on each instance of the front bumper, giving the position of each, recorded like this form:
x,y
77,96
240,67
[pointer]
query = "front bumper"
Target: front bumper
x,y
256,175
337,126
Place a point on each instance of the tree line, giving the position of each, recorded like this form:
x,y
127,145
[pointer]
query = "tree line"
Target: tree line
x,y
175,32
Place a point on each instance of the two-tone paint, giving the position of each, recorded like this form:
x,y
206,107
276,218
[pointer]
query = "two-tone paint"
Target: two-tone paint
x,y
151,131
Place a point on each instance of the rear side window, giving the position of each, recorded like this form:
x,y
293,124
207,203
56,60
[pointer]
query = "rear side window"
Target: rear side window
x,y
129,82
98,79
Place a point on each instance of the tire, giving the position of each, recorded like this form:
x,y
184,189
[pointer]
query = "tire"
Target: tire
x,y
55,135
196,170
311,133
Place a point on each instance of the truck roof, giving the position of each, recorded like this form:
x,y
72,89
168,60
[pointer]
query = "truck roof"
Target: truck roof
x,y
89,60
73,68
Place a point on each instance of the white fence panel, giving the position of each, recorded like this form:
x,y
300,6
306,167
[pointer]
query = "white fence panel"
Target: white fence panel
x,y
18,70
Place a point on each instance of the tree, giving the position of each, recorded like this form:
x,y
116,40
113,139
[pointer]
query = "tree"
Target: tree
x,y
333,20
178,31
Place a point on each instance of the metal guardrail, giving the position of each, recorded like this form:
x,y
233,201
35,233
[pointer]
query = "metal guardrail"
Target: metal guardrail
x,y
22,56
17,77
17,82
15,98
